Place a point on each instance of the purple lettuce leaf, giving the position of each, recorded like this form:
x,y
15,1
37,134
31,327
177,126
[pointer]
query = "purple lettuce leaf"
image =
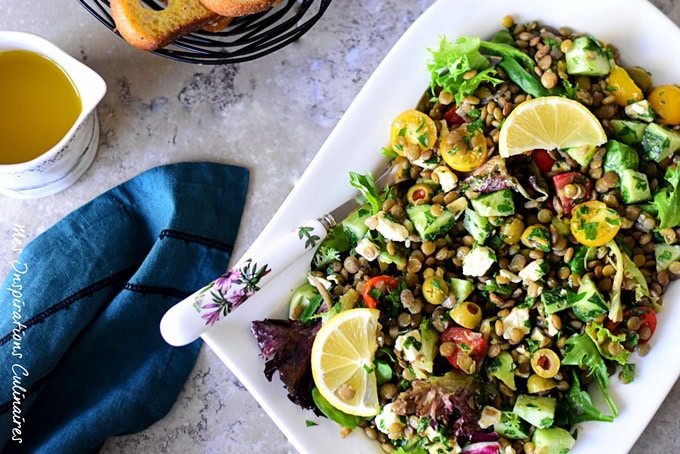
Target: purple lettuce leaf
x,y
286,347
491,176
530,182
447,400
519,173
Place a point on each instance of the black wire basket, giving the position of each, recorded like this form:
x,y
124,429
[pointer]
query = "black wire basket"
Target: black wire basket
x,y
245,38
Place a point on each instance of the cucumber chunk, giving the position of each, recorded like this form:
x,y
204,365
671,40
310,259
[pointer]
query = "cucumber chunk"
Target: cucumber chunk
x,y
588,303
538,411
427,224
583,155
556,299
587,58
554,440
460,288
300,299
634,186
511,426
478,226
629,131
659,142
497,203
387,259
503,368
354,225
665,254
620,156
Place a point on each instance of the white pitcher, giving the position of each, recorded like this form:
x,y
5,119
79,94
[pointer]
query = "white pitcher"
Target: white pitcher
x,y
63,164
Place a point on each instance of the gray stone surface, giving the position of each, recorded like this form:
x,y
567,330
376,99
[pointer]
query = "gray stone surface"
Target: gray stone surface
x,y
270,115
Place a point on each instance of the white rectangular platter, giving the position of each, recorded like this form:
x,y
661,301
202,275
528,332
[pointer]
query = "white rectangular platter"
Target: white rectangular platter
x,y
644,37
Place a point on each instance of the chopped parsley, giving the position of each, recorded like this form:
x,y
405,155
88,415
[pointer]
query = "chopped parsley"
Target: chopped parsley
x,y
412,341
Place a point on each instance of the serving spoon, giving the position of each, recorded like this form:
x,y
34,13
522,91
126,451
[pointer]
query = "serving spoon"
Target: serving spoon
x,y
206,308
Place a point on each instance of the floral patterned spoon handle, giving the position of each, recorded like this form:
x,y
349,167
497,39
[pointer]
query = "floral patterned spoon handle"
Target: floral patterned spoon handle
x,y
187,320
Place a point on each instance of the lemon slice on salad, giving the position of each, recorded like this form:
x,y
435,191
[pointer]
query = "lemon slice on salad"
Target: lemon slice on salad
x,y
342,361
549,122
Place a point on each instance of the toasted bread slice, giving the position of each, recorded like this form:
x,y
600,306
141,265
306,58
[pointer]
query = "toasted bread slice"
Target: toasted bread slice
x,y
147,29
218,25
238,7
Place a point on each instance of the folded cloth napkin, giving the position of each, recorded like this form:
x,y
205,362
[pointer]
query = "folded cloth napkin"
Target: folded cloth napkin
x,y
80,348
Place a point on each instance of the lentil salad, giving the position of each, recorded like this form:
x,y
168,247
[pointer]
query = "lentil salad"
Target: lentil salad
x,y
498,287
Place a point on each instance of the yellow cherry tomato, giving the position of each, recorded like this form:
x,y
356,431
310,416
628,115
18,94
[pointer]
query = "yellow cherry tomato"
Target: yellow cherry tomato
x,y
625,90
665,100
464,149
536,236
593,223
412,128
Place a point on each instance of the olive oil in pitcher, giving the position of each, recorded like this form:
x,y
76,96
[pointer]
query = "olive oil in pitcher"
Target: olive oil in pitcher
x,y
38,105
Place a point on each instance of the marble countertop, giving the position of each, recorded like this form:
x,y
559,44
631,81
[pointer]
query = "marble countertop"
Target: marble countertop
x,y
271,116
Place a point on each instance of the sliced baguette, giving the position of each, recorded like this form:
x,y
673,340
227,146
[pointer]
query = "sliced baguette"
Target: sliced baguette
x,y
147,29
218,25
238,7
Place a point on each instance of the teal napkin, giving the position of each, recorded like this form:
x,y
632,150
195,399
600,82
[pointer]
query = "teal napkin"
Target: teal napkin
x,y
81,354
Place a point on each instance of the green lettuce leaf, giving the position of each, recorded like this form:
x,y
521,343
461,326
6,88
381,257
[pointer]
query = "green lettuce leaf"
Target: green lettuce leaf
x,y
577,407
332,413
366,185
632,272
667,201
453,60
616,307
600,335
581,351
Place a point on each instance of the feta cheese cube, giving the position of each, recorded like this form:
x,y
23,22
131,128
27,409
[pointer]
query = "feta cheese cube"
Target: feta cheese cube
x,y
533,271
367,249
478,261
517,318
445,177
640,110
409,345
386,418
391,230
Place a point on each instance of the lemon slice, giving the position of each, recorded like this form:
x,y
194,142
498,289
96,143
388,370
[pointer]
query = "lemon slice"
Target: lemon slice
x,y
342,361
549,122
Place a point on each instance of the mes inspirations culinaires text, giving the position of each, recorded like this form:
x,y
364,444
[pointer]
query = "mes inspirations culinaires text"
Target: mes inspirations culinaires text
x,y
19,372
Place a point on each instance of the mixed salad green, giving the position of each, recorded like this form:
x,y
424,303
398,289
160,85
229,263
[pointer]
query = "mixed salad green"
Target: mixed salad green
x,y
505,285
